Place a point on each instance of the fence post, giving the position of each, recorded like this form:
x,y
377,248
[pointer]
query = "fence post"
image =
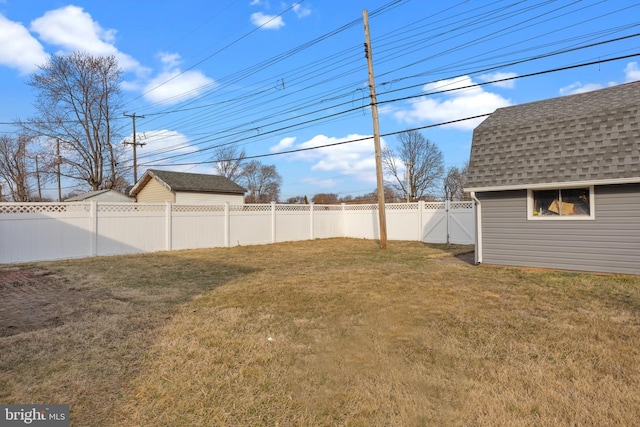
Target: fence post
x,y
227,225
344,219
168,231
420,219
273,222
311,221
447,207
93,238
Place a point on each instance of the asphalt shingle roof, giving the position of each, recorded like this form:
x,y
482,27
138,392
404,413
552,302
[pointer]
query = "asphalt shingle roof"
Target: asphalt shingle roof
x,y
92,194
588,137
183,181
87,195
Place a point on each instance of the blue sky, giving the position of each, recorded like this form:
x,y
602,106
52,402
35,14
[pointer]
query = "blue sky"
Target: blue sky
x,y
276,76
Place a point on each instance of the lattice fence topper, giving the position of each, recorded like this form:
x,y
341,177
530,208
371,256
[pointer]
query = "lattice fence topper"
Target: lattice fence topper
x,y
197,208
131,207
434,206
320,208
361,207
293,208
401,206
250,208
461,205
27,208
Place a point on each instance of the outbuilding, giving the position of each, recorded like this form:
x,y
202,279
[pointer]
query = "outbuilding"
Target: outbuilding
x,y
186,188
101,196
557,183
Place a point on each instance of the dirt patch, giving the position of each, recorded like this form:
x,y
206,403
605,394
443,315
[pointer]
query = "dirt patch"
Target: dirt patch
x,y
34,299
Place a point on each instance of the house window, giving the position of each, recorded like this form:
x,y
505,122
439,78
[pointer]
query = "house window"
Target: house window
x,y
564,203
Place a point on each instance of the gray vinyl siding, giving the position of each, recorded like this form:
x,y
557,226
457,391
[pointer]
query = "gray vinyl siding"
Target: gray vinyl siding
x,y
609,243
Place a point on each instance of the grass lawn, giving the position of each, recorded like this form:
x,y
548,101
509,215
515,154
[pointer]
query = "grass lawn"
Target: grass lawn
x,y
325,332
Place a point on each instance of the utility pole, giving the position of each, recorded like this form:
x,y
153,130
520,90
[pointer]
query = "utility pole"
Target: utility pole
x,y
135,144
376,133
58,161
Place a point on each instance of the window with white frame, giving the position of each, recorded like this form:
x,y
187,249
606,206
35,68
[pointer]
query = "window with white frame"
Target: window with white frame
x,y
562,203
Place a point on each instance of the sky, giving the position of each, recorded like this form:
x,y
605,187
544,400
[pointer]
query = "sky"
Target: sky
x,y
279,79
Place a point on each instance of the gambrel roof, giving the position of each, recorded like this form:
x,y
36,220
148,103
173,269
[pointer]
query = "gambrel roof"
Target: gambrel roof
x,y
193,182
584,139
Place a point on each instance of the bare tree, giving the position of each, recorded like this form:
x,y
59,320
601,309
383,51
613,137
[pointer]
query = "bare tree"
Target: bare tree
x,y
454,183
390,196
422,161
325,198
227,161
14,167
77,102
261,181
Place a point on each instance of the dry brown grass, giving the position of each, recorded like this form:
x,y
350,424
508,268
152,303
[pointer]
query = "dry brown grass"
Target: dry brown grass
x,y
332,332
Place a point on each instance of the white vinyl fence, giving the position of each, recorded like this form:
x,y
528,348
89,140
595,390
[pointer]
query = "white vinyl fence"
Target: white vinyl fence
x,y
48,231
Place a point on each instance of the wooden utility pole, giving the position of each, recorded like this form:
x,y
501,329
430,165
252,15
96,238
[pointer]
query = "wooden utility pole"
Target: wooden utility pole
x,y
135,144
376,133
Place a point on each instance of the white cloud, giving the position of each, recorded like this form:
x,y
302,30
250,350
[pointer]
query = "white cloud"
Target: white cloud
x,y
159,142
172,85
268,22
462,83
301,11
578,87
632,72
449,106
507,84
170,60
18,48
355,159
283,145
72,29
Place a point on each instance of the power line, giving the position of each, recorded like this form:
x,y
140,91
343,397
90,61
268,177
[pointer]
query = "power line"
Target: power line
x,y
405,98
256,127
220,50
401,99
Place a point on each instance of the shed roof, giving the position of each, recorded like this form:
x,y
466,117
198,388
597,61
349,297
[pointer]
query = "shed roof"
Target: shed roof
x,y
96,195
584,139
194,182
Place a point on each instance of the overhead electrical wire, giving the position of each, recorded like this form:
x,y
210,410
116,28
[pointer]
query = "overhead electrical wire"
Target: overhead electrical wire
x,y
278,58
415,96
220,50
333,106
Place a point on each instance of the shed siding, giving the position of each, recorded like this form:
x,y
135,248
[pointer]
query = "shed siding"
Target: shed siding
x,y
609,243
187,197
154,192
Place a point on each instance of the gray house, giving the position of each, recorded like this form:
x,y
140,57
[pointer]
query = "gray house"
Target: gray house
x,y
557,183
